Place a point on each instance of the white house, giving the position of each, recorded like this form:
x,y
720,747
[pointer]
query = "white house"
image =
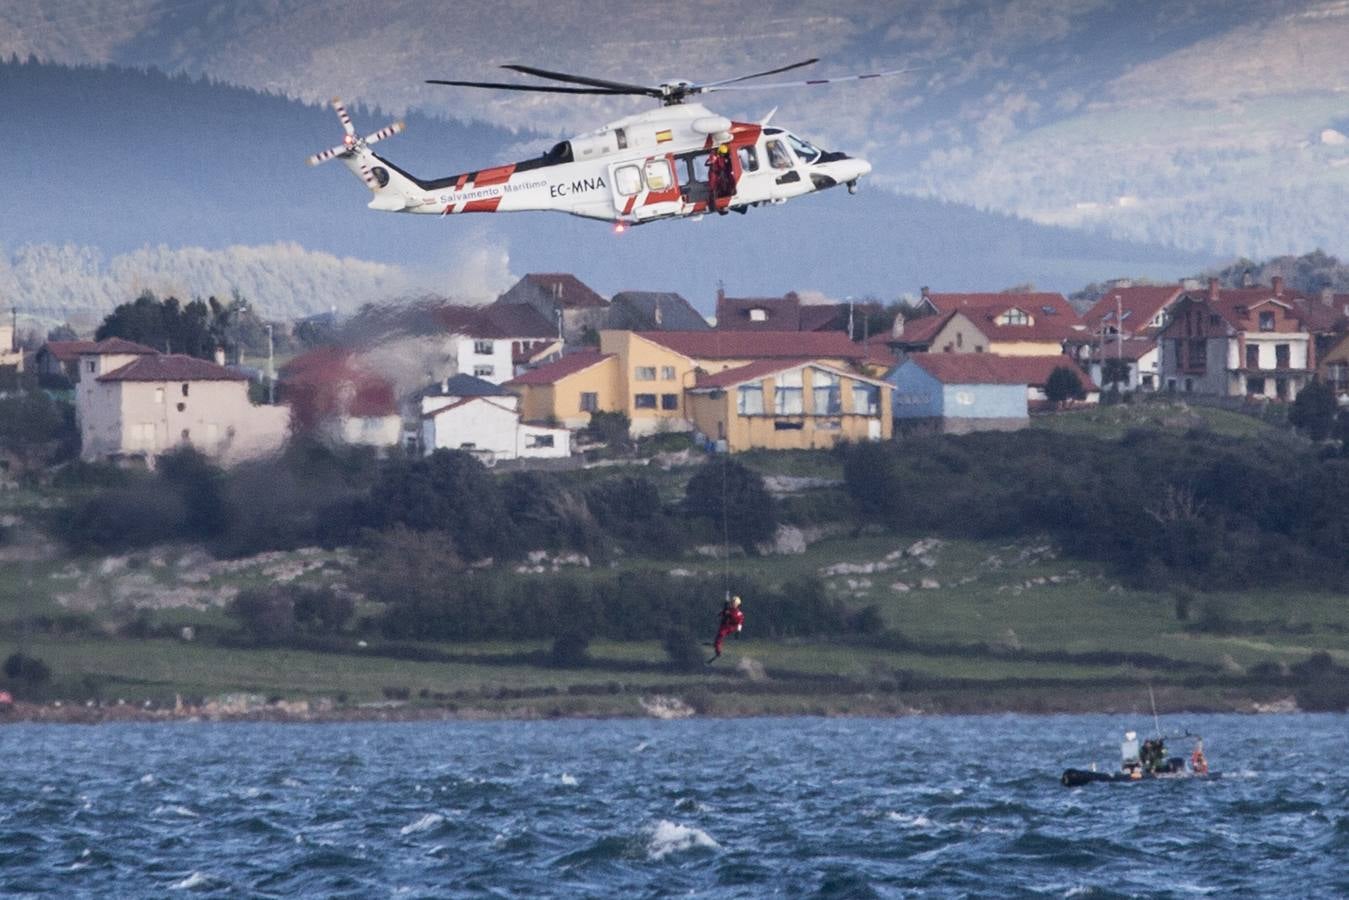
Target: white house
x,y
467,413
487,341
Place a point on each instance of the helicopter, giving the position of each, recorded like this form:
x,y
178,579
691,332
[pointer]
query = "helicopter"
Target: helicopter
x,y
641,168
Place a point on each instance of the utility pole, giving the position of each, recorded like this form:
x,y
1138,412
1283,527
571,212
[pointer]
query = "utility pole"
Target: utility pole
x,y
271,371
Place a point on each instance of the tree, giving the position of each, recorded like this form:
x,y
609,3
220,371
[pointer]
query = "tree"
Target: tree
x,y
1063,385
28,669
1114,372
734,498
165,325
610,428
63,333
37,429
1313,412
447,491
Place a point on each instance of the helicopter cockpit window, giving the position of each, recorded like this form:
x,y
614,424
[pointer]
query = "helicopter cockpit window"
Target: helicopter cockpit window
x,y
658,177
777,155
805,151
749,159
628,180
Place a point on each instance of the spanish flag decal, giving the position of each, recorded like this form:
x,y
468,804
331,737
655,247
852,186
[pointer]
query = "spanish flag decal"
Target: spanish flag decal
x,y
663,136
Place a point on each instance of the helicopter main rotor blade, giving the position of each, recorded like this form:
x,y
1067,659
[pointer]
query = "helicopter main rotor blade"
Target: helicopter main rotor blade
x,y
804,62
616,86
785,84
540,88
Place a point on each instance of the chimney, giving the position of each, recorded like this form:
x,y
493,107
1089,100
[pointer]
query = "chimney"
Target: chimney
x,y
1327,297
923,292
1247,280
219,356
1278,285
897,329
1213,289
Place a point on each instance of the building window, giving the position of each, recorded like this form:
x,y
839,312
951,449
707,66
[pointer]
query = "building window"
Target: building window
x,y
788,426
159,395
667,373
184,390
1252,356
1197,360
669,402
482,348
1267,321
1281,388
1147,382
825,387
1282,356
90,366
758,314
1189,385
187,435
1015,316
590,401
787,398
749,399
644,401
960,339
1255,387
644,373
483,371
866,399
539,440
182,407
1214,319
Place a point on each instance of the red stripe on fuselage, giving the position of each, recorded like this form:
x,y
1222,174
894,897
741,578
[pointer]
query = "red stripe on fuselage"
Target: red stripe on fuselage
x,y
498,175
488,205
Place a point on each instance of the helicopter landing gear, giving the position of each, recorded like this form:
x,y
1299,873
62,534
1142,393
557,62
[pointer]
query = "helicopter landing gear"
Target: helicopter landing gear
x,y
852,186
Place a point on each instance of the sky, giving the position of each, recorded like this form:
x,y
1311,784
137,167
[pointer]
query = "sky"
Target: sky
x,y
1213,127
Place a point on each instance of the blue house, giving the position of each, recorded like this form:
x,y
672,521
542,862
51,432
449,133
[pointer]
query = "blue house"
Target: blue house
x,y
961,392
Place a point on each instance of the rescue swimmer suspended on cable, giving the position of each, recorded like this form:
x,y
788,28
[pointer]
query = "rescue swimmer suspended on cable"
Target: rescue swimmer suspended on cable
x,y
649,166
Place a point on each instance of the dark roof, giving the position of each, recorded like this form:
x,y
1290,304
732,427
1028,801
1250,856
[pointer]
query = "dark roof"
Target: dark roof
x,y
116,345
1131,348
989,368
718,344
556,371
464,385
1137,306
566,289
824,317
505,320
67,351
172,367
780,313
654,311
922,330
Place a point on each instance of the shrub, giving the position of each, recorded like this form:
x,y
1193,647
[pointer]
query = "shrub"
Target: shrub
x,y
29,670
322,610
683,649
733,499
448,491
267,614
611,429
570,649
1313,411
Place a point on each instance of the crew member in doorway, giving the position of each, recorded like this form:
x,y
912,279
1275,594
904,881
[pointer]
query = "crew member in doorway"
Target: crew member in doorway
x,y
720,178
732,620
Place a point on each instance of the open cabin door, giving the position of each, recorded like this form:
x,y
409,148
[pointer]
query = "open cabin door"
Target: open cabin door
x,y
646,188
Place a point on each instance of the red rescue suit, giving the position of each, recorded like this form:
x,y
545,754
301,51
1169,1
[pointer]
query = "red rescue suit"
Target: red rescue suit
x,y
720,178
732,620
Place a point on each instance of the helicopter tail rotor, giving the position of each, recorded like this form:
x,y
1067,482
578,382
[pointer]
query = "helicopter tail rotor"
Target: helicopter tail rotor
x,y
354,148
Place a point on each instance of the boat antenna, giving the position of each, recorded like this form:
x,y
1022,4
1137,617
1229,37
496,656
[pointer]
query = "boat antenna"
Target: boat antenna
x,y
1156,723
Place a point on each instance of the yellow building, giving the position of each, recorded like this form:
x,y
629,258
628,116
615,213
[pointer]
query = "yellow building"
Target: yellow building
x,y
790,405
567,391
647,375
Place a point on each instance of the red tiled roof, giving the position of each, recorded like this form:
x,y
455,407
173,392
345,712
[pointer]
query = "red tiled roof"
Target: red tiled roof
x,y
1322,317
172,367
756,369
116,345
1053,316
1138,305
554,372
327,382
570,292
824,316
990,368
922,330
758,344
68,351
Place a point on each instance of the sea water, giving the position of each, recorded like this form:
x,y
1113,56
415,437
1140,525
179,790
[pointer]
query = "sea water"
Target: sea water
x,y
959,806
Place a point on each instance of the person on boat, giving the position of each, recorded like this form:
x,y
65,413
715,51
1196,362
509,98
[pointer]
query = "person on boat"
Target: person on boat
x,y
1198,762
731,621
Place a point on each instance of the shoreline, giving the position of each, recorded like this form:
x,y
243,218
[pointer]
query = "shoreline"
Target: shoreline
x,y
655,707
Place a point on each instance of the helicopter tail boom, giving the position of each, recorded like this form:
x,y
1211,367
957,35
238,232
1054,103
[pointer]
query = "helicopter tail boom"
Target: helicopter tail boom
x,y
392,189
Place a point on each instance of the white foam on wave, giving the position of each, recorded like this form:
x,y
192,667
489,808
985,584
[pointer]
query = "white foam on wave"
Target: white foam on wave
x,y
640,747
670,837
569,780
177,811
919,821
425,823
147,778
195,880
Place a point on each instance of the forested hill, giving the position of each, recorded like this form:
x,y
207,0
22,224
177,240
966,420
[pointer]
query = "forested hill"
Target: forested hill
x,y
129,172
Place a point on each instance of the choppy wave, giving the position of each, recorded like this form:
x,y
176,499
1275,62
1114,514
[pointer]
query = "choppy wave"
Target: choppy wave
x,y
829,808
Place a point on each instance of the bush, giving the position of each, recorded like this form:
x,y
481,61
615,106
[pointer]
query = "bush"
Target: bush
x,y
611,429
684,651
448,491
1313,411
28,670
267,614
1063,384
733,500
322,610
571,649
